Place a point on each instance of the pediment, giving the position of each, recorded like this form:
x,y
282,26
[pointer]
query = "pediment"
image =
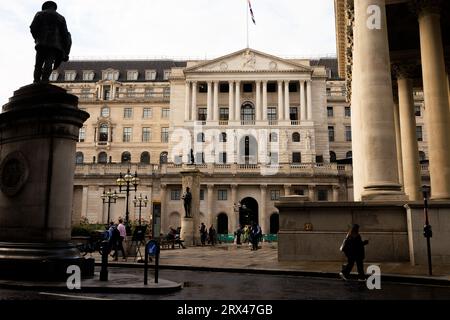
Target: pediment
x,y
248,60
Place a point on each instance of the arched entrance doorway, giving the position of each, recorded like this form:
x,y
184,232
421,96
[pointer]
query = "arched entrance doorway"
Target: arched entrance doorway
x,y
274,223
222,223
248,150
248,211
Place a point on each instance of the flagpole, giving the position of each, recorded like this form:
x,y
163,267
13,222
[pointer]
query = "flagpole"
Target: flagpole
x,y
246,12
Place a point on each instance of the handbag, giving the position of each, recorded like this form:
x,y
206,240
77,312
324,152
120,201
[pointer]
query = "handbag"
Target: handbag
x,y
342,248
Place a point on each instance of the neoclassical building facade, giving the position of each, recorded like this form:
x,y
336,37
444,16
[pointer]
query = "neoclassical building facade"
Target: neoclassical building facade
x,y
256,126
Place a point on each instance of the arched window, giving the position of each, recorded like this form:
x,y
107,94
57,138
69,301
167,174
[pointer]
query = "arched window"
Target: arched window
x,y
163,157
126,157
296,137
79,158
145,157
333,156
223,137
248,112
103,133
102,157
422,156
273,137
201,137
348,154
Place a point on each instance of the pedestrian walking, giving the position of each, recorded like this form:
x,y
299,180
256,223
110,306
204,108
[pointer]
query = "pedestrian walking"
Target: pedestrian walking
x,y
353,248
203,234
122,236
212,235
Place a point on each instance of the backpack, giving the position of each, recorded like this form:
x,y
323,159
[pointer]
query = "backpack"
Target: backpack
x,y
115,234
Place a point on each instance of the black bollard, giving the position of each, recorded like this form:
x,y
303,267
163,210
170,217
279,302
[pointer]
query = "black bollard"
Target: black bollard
x,y
104,249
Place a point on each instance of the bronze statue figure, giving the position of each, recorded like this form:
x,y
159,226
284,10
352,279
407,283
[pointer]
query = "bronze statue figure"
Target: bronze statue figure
x,y
53,41
187,199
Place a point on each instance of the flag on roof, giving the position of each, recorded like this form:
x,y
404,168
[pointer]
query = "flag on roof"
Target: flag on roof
x,y
251,12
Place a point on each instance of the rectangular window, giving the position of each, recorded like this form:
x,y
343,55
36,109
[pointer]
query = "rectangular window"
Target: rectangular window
x,y
298,192
348,133
223,114
419,133
54,76
247,87
85,93
293,113
273,157
150,75
322,195
106,92
69,76
149,92
202,113
202,87
166,93
146,134
222,157
202,194
418,111
222,194
147,114
348,112
165,135
271,87
274,195
293,87
224,87
165,113
175,194
127,132
88,75
330,112
128,113
199,158
319,159
331,133
272,113
167,74
132,75
82,134
131,93
296,157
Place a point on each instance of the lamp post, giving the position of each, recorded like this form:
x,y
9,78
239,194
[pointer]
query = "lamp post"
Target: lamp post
x,y
109,197
140,202
125,182
427,232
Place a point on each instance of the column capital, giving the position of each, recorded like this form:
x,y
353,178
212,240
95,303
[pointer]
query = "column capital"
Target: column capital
x,y
234,186
210,186
287,185
406,69
263,186
209,82
311,186
231,81
264,81
237,81
421,7
335,187
163,186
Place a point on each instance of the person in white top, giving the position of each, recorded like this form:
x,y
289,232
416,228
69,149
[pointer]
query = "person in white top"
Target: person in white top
x,y
123,234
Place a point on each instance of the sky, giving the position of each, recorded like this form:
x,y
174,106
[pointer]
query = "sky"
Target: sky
x,y
179,29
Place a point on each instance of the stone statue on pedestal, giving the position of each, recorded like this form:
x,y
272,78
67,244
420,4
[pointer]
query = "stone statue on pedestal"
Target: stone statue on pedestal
x,y
53,41
187,201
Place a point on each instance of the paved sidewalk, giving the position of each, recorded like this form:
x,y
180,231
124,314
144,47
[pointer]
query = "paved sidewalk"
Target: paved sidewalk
x,y
229,257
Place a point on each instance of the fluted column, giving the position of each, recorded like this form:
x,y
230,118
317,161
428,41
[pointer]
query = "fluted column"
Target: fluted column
x,y
336,193
216,101
194,101
231,100
237,104
187,102
164,220
410,148
208,102
264,223
436,99
234,215
302,101
376,106
309,100
280,100
287,190
264,101
311,192
258,100
286,101
398,141
210,203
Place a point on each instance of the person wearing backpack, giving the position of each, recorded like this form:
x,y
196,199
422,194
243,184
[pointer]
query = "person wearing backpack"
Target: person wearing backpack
x,y
353,248
120,234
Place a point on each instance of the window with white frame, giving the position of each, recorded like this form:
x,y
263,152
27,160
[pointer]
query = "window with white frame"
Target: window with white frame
x,y
166,92
82,134
110,75
132,75
274,195
167,74
104,112
146,134
150,75
147,113
128,113
127,133
165,113
165,135
88,75
70,75
222,194
54,76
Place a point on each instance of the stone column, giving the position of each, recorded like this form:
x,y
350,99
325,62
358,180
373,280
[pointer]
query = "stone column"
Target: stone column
x,y
264,103
436,99
194,101
376,105
287,190
237,104
311,192
164,217
264,223
286,101
336,193
84,201
302,101
258,100
398,141
187,102
234,215
309,100
209,111
210,198
191,178
216,101
231,100
409,145
280,100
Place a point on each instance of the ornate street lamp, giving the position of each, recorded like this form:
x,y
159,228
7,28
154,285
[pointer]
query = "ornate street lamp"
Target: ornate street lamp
x,y
140,202
109,197
125,182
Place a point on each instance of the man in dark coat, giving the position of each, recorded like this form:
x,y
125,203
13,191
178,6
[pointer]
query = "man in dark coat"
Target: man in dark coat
x,y
353,247
53,41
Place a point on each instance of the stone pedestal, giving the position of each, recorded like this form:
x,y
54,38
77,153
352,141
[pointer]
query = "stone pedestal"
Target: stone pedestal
x,y
39,129
190,178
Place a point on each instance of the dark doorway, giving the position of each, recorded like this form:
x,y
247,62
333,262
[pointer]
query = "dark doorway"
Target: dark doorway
x,y
248,211
222,224
274,223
